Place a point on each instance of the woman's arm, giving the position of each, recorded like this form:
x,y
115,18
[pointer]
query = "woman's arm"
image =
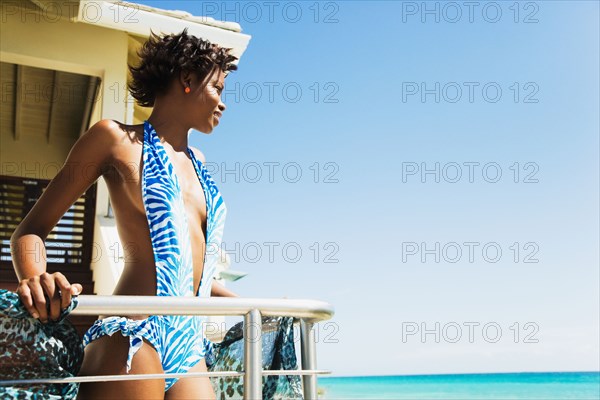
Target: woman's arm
x,y
84,165
219,290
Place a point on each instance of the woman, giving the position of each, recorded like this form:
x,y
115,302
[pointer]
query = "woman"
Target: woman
x,y
168,213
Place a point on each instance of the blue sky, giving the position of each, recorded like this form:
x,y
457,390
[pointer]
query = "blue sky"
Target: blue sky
x,y
519,99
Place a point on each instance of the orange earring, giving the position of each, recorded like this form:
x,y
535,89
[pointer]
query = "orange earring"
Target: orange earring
x,y
187,90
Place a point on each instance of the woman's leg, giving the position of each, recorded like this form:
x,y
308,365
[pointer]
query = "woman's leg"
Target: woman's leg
x,y
192,388
108,356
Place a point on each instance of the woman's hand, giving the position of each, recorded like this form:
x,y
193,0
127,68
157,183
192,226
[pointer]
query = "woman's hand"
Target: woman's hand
x,y
47,294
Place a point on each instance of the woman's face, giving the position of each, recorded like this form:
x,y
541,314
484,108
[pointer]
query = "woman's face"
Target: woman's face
x,y
206,103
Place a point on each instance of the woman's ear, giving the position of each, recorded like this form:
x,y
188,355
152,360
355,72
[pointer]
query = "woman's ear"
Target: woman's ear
x,y
185,79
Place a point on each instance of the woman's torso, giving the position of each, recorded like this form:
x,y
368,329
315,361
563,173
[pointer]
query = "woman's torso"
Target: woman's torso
x,y
124,180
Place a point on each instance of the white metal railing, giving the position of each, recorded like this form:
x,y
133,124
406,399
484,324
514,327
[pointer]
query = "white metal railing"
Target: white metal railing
x,y
309,312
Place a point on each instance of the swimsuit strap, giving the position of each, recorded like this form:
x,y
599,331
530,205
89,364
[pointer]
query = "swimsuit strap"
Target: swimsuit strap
x,y
167,220
216,211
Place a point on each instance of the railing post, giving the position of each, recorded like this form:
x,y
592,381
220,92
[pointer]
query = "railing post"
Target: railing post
x,y
308,348
253,355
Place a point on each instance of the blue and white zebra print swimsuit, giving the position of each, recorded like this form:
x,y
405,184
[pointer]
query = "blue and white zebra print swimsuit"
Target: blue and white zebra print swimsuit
x,y
179,340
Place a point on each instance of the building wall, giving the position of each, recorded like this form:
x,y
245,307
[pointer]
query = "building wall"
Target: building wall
x,y
41,116
72,47
47,42
65,46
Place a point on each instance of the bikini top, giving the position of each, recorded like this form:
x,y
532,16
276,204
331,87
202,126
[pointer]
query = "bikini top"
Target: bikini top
x,y
168,224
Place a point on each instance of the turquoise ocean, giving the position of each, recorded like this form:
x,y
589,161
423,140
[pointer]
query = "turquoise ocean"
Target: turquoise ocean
x,y
522,386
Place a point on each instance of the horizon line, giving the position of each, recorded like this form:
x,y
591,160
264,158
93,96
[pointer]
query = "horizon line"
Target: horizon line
x,y
462,373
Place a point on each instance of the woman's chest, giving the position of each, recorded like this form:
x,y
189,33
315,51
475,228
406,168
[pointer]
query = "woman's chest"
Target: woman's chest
x,y
178,184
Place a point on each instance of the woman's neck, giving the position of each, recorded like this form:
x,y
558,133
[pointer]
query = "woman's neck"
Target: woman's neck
x,y
169,128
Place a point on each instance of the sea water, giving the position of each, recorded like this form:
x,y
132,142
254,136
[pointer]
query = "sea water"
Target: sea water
x,y
546,386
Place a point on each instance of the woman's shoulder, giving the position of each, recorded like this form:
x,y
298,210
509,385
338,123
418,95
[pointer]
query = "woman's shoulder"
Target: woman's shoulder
x,y
116,131
113,141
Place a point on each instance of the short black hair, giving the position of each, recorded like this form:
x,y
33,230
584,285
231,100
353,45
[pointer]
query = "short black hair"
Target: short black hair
x,y
164,57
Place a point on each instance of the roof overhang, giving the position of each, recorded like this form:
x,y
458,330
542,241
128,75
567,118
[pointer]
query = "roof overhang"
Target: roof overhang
x,y
140,20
